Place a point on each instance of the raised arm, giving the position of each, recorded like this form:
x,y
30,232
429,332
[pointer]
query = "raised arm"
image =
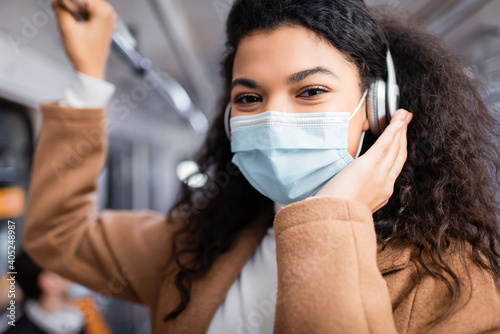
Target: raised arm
x,y
117,253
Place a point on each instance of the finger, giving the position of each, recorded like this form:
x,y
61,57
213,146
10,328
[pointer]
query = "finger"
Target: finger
x,y
402,155
64,19
99,9
399,115
382,146
387,138
72,5
397,150
387,163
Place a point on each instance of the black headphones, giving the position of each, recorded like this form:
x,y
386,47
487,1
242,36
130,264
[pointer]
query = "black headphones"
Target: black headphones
x,y
383,101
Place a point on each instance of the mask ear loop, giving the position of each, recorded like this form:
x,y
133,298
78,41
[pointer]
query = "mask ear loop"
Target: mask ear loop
x,y
364,132
359,105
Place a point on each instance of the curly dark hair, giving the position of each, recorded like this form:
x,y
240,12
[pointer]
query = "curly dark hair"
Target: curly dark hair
x,y
446,190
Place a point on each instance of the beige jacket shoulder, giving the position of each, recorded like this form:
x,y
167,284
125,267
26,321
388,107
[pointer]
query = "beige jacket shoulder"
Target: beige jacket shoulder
x,y
331,276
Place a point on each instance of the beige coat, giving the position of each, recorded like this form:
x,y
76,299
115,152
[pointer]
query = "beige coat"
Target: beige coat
x,y
332,278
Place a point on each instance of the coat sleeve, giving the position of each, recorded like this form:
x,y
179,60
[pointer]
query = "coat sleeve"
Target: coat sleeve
x,y
121,254
328,279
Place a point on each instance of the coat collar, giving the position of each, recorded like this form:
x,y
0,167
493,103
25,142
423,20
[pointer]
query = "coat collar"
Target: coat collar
x,y
395,256
211,290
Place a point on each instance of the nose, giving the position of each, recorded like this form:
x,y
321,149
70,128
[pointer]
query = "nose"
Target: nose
x,y
278,104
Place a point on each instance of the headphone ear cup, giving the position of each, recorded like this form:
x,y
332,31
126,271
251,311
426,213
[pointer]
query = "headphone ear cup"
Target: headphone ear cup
x,y
376,107
392,94
392,100
373,108
381,106
227,117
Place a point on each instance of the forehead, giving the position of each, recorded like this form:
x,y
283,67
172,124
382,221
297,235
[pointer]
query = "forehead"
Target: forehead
x,y
286,50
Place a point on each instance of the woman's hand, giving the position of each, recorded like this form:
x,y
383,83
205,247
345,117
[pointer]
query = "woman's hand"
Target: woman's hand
x,y
87,43
370,178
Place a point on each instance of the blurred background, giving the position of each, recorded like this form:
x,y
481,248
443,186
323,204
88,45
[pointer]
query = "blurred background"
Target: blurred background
x,y
155,133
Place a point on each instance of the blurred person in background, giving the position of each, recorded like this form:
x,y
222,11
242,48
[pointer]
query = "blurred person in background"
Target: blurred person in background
x,y
52,304
305,225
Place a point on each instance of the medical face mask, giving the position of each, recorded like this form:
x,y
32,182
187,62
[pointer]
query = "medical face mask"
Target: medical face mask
x,y
289,157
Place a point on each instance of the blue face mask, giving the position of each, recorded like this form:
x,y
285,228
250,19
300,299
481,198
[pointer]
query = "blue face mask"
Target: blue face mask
x,y
291,156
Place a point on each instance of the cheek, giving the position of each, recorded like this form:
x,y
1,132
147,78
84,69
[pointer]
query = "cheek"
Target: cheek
x,y
335,103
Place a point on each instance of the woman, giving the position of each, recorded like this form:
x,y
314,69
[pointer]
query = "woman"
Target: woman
x,y
403,238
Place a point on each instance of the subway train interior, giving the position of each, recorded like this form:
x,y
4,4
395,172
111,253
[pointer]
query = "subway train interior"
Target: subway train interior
x,y
175,46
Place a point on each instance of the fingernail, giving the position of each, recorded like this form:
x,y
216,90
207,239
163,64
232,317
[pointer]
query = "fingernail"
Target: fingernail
x,y
401,124
407,118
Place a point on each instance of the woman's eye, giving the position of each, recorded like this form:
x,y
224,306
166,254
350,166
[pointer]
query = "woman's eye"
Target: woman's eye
x,y
248,99
313,92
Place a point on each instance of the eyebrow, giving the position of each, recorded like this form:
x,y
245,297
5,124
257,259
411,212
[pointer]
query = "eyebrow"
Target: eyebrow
x,y
244,82
297,77
294,78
